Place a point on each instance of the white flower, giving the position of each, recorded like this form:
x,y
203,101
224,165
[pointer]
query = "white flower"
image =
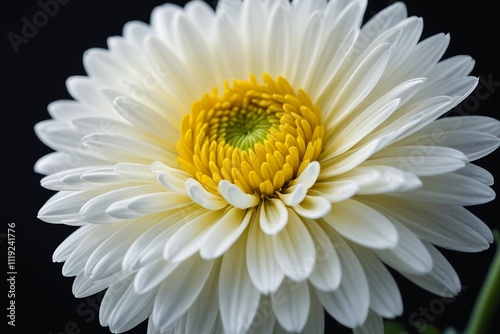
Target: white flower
x,y
242,170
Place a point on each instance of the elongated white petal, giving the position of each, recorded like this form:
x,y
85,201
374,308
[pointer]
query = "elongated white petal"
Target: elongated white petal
x,y
238,297
309,175
273,216
409,255
171,178
449,227
313,207
204,198
441,280
294,249
327,270
264,320
335,191
420,160
362,224
189,238
236,197
152,275
225,232
450,189
293,195
385,298
348,304
291,304
373,324
200,317
263,268
179,291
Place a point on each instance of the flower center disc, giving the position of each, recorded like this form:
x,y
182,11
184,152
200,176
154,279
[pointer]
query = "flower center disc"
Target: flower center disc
x,y
257,136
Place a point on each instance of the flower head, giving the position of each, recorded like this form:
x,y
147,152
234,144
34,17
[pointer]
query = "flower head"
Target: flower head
x,y
244,169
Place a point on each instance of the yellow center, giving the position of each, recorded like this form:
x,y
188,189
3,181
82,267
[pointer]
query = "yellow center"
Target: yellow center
x,y
257,136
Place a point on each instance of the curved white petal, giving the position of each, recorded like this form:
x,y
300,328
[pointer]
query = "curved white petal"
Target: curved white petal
x,y
373,324
238,297
291,304
190,237
200,195
179,291
294,249
313,207
442,280
349,303
385,298
263,268
362,224
273,216
225,232
327,271
236,197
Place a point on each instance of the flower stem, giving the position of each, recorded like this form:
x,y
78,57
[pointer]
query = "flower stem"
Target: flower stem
x,y
488,297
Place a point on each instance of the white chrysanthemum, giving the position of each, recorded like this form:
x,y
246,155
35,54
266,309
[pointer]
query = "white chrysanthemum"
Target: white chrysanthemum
x,y
241,170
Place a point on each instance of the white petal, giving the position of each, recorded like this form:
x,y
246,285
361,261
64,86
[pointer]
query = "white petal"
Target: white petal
x,y
201,196
236,197
348,304
316,321
153,274
442,280
264,320
179,291
358,126
188,239
156,236
75,263
362,224
335,191
291,305
450,189
374,324
273,216
146,204
112,297
409,256
385,298
263,268
95,209
476,173
351,93
450,227
131,310
171,178
419,160
203,314
473,144
238,297
294,249
293,195
68,246
225,232
84,286
309,175
388,180
327,271
313,207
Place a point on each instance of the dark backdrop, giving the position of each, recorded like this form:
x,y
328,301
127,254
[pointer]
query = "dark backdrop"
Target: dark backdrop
x,y
34,76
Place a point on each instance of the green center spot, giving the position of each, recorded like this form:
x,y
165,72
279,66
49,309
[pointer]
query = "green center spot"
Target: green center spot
x,y
245,127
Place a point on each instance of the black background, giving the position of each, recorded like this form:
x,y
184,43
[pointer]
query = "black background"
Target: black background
x,y
35,76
